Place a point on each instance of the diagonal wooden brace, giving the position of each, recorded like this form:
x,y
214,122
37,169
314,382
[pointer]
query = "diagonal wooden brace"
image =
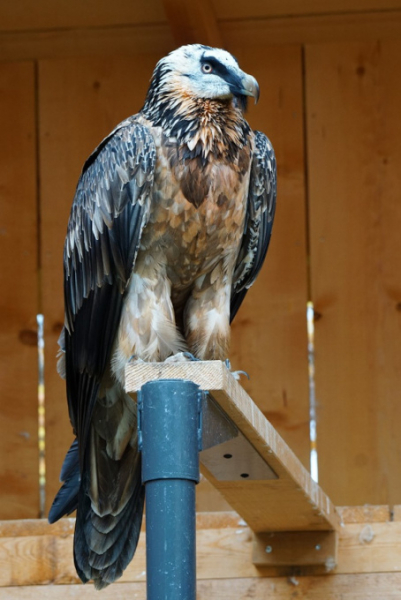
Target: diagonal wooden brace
x,y
273,493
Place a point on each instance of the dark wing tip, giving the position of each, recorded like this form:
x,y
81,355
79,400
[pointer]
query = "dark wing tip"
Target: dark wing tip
x,y
258,221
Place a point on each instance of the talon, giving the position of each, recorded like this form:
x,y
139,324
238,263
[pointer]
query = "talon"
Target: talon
x,y
237,374
191,356
135,358
181,357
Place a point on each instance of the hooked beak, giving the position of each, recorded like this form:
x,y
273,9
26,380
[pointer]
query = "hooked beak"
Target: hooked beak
x,y
250,87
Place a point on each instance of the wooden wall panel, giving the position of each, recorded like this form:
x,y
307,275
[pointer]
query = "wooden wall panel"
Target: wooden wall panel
x,y
236,9
251,31
19,294
269,332
26,15
81,101
354,156
36,562
46,14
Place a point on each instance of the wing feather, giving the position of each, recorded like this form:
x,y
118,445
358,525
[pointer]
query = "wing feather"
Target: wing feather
x,y
109,211
258,222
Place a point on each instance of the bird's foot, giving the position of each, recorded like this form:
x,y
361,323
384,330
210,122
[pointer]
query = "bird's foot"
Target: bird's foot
x,y
181,357
235,374
187,356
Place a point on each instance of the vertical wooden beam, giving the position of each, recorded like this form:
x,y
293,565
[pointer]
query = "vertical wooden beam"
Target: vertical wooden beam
x,y
354,153
19,477
193,22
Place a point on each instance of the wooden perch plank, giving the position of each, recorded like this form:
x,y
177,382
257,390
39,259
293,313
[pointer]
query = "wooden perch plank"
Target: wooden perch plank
x,y
291,502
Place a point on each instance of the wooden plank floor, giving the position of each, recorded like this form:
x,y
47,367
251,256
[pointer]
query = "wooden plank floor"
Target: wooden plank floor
x,y
35,557
341,587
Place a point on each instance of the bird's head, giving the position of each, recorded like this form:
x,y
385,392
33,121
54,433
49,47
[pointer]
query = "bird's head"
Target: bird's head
x,y
202,72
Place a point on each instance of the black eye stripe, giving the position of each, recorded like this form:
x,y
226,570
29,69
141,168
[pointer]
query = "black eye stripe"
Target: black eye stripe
x,y
217,66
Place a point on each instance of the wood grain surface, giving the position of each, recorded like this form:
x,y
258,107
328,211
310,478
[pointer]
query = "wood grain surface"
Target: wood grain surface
x,y
369,563
353,98
291,502
19,299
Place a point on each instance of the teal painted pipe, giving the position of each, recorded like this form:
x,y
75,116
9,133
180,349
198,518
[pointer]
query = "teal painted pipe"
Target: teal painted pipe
x,y
169,434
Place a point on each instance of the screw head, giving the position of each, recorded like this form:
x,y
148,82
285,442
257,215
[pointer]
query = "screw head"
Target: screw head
x,y
269,549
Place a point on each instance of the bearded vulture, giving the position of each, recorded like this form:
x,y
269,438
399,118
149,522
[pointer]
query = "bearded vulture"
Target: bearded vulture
x,y
169,228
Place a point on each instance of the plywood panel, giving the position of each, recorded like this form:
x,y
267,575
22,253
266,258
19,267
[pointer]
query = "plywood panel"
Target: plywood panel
x,y
80,102
19,294
354,128
269,332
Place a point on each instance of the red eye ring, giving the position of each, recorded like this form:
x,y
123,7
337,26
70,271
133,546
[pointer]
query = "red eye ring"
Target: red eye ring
x,y
207,68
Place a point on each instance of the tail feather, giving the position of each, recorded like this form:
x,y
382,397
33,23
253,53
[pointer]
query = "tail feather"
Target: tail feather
x,y
104,556
112,495
66,500
109,497
103,524
128,529
71,462
104,541
115,570
81,549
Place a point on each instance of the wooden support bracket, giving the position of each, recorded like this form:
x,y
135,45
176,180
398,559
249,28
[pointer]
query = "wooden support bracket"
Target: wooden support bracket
x,y
288,503
296,549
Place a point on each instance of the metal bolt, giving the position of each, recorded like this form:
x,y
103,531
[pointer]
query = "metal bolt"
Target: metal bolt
x,y
269,549
317,547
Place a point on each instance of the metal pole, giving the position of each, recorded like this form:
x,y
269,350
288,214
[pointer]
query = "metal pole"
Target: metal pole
x,y
169,436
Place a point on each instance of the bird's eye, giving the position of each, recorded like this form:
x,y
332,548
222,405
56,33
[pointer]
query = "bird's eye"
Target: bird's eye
x,y
207,68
